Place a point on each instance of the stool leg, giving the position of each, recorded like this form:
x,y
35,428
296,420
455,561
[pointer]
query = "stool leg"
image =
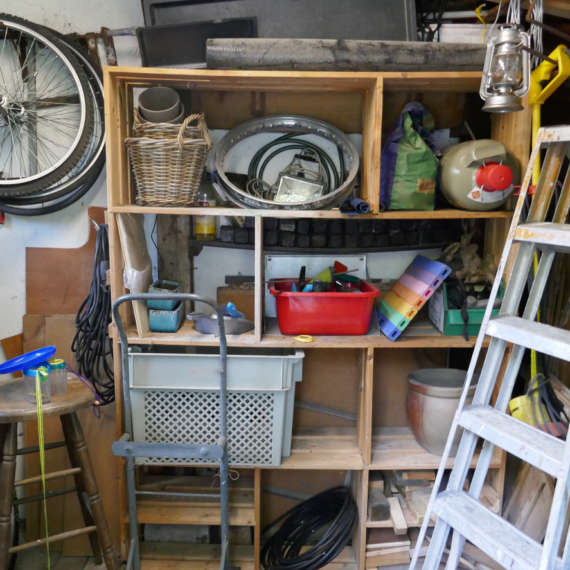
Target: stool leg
x,y
79,456
7,477
84,505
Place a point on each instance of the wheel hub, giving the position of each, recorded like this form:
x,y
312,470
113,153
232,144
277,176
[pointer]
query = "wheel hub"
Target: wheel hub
x,y
12,109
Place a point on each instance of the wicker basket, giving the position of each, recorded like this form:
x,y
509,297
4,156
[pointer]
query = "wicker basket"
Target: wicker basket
x,y
168,160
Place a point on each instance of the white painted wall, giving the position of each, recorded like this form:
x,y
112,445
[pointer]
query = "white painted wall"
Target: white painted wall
x,y
68,228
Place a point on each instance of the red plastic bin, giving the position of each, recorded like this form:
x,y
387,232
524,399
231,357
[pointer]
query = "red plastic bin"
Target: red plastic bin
x,y
322,313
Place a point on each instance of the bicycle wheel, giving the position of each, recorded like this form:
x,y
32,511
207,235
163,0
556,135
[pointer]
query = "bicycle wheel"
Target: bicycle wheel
x,y
43,207
91,163
46,113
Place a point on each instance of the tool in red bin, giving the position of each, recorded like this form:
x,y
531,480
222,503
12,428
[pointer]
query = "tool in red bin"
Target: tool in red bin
x,y
327,274
301,281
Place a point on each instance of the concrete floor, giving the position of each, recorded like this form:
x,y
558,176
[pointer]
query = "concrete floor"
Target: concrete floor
x,y
35,559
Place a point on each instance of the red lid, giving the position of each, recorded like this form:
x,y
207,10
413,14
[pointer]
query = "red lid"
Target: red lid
x,y
493,176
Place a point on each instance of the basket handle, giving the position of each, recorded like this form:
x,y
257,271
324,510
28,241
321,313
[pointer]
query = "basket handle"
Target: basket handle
x,y
201,125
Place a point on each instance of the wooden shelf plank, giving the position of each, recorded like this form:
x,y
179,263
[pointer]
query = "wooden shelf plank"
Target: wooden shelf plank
x,y
188,335
446,214
172,556
344,561
324,449
177,556
318,250
321,448
411,520
388,524
201,511
421,334
298,81
453,81
396,448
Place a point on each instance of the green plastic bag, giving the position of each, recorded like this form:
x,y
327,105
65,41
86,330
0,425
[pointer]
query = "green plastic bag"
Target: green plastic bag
x,y
409,167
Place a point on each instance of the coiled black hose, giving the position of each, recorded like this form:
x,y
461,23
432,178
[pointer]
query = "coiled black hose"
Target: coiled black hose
x,y
92,346
328,517
334,177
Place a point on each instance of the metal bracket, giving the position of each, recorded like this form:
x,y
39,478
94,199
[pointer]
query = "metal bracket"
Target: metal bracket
x,y
124,448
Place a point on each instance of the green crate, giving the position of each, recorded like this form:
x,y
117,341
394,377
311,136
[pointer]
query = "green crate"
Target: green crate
x,y
448,321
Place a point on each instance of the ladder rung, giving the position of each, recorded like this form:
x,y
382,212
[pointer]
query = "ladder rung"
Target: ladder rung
x,y
53,475
522,440
54,538
548,234
493,535
552,135
537,336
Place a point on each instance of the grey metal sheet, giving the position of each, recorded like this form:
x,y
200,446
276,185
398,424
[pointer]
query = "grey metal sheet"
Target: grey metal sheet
x,y
358,19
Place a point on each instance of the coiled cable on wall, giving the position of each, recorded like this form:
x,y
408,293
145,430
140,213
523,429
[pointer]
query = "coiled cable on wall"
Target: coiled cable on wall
x,y
328,517
92,346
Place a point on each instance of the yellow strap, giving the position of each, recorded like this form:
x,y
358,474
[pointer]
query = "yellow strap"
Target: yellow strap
x,y
478,11
304,338
536,116
40,416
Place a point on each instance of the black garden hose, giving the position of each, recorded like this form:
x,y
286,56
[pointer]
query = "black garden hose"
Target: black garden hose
x,y
328,517
334,177
92,346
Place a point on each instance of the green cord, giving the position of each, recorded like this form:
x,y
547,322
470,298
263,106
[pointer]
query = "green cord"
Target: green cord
x,y
41,447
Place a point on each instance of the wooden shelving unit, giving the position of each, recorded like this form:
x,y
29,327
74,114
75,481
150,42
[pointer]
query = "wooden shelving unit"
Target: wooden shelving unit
x,y
366,377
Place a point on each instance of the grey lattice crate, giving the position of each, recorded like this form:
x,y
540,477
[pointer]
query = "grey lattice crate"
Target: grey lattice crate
x,y
175,399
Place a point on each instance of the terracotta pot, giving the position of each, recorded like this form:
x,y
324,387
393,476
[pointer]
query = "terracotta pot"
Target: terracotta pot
x,y
433,395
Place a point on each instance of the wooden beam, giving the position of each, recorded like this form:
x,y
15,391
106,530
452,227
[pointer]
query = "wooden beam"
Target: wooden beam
x,y
259,291
174,256
339,55
397,516
372,126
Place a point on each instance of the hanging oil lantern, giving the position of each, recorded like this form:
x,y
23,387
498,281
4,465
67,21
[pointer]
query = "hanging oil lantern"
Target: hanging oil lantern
x,y
506,73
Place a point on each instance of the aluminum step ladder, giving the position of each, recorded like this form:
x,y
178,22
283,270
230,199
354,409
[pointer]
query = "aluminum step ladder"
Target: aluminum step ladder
x,y
460,511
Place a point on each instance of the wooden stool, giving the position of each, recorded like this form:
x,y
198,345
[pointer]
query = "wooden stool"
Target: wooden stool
x,y
64,406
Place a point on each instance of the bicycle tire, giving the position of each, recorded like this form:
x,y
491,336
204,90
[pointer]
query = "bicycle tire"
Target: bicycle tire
x,y
47,207
96,158
40,182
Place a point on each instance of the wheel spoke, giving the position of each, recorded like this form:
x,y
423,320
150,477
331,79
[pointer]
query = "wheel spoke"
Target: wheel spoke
x,y
44,109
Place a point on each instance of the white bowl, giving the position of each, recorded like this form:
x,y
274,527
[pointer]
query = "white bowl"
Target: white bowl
x,y
160,104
